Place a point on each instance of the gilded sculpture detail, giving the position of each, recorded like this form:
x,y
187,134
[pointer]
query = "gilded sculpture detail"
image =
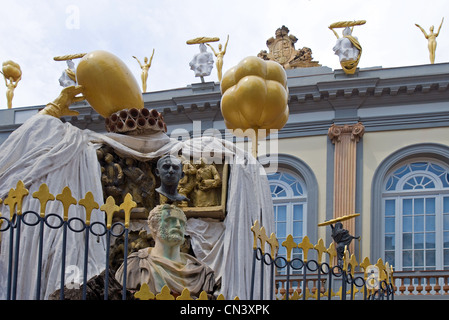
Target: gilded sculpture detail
x,y
219,55
254,99
208,181
145,67
347,48
68,76
282,50
13,74
122,175
431,40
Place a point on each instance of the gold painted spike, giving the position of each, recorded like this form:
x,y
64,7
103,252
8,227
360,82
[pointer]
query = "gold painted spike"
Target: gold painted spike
x,y
256,231
326,293
67,200
365,264
19,194
43,195
274,245
309,294
321,249
289,244
362,291
221,297
295,296
11,201
305,245
202,40
391,274
344,24
315,295
345,259
144,293
165,294
203,296
338,293
332,254
109,208
185,295
236,298
388,271
382,271
347,217
263,238
353,263
88,202
353,293
127,205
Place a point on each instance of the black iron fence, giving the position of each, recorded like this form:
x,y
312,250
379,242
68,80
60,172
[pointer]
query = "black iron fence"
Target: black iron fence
x,y
294,277
11,230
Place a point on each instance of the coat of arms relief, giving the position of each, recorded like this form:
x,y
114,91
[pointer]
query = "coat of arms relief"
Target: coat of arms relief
x,y
282,50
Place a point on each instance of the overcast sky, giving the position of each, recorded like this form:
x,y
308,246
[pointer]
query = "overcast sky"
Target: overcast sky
x,y
33,32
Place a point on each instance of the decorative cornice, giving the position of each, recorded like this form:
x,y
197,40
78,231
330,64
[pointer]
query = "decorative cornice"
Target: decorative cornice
x,y
311,91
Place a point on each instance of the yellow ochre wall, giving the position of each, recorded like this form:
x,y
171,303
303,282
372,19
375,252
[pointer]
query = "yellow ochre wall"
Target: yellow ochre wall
x,y
312,150
376,147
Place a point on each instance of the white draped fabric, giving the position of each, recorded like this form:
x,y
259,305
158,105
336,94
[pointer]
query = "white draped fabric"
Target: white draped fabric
x,y
45,150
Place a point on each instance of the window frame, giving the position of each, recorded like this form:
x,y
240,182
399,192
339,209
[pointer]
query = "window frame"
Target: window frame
x,y
282,161
399,195
431,151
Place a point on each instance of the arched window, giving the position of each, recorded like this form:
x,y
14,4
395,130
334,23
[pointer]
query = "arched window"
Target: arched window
x,y
294,191
290,207
416,215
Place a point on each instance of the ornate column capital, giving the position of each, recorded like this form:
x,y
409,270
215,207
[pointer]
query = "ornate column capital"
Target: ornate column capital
x,y
355,131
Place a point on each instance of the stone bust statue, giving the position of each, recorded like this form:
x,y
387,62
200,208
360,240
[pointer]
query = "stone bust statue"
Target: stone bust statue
x,y
169,169
165,264
202,63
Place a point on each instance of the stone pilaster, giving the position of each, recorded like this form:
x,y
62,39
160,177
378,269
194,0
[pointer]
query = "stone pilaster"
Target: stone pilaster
x,y
345,138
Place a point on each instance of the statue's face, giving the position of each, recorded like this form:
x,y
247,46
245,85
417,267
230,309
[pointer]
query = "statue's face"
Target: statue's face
x,y
169,169
172,227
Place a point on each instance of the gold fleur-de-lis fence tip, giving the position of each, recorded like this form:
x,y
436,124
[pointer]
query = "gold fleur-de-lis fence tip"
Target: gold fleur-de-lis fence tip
x,y
89,204
289,244
19,193
67,200
43,195
109,208
305,245
165,294
321,249
256,231
144,293
127,205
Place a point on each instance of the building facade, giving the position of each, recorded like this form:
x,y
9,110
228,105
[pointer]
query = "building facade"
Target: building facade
x,y
374,143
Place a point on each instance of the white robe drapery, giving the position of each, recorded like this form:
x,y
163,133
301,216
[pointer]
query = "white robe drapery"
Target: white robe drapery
x,y
46,150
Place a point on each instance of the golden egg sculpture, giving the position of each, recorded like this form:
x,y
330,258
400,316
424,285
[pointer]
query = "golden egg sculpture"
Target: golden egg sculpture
x,y
108,84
